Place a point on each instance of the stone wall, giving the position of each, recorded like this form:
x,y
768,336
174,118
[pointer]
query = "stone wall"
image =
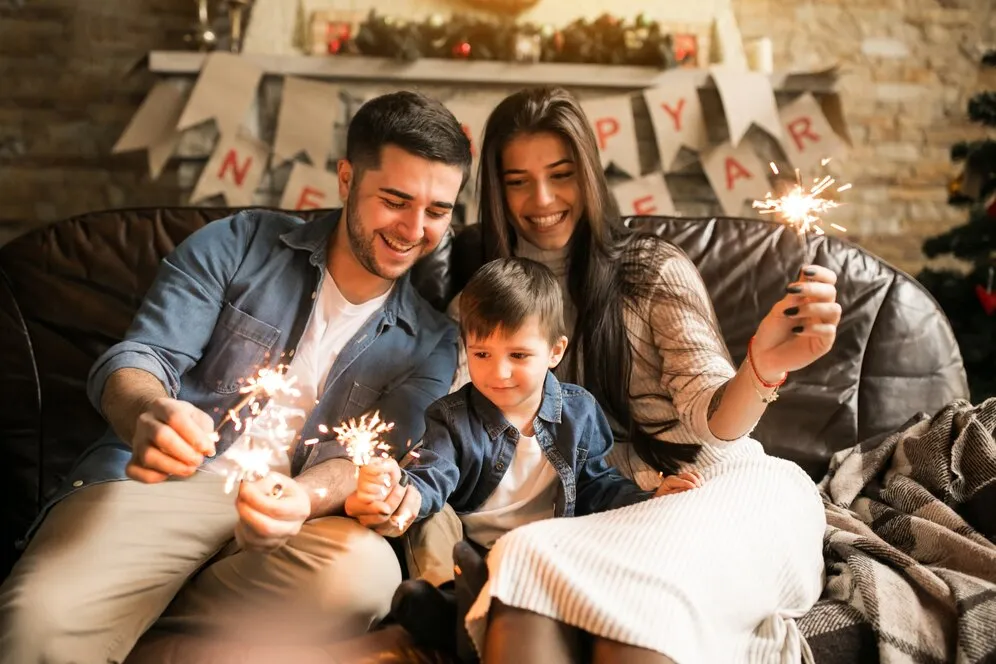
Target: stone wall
x,y
72,78
910,67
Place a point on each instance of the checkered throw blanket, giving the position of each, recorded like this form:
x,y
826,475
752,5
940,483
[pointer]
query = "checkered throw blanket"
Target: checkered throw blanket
x,y
910,545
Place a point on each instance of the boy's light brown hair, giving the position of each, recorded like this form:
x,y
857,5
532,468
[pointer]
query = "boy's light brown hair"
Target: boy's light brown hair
x,y
502,294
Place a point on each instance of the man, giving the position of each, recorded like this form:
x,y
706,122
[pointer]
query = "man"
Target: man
x,y
332,302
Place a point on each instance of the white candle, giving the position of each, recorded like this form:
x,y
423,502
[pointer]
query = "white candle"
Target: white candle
x,y
760,55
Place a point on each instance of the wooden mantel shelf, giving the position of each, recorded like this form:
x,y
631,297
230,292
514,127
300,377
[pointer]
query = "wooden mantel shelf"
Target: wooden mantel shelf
x,y
427,70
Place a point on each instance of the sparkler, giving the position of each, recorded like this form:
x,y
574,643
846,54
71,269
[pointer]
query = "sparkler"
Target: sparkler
x,y
362,439
801,208
264,437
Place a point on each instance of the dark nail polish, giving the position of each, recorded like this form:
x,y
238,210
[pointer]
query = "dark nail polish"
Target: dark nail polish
x,y
794,289
792,311
809,272
797,329
404,479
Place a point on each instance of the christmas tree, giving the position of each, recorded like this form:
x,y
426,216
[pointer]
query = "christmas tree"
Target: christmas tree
x,y
969,297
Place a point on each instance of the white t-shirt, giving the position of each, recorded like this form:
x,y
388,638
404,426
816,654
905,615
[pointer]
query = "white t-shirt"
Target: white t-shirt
x,y
525,494
333,322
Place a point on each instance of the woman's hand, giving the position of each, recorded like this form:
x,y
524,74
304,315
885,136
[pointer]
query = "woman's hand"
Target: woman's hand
x,y
800,328
684,481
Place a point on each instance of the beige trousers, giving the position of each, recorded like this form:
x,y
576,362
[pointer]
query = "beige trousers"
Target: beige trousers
x,y
428,546
112,558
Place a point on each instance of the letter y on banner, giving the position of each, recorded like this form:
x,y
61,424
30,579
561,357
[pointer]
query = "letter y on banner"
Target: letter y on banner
x,y
611,119
676,113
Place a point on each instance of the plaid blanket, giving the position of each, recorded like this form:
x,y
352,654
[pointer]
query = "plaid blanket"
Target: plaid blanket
x,y
910,545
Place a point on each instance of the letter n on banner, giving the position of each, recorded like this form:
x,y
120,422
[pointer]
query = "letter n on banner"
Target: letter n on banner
x,y
736,175
310,188
234,170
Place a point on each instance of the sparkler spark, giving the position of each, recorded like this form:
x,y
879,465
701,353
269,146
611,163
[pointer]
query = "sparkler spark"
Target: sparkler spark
x,y
266,433
362,439
802,208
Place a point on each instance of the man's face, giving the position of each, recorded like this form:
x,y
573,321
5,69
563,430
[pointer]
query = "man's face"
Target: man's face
x,y
397,213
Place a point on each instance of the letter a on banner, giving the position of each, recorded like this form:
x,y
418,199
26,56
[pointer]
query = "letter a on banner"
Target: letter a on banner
x,y
611,119
234,170
736,175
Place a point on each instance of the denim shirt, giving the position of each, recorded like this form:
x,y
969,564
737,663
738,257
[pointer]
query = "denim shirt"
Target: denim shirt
x,y
468,446
235,297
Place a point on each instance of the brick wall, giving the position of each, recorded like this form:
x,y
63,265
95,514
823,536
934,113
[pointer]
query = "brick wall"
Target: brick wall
x,y
70,84
910,67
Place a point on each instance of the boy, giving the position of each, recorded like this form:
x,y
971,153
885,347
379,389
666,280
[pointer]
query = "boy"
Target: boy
x,y
515,445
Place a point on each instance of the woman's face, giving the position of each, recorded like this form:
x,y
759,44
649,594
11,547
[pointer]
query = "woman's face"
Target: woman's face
x,y
541,189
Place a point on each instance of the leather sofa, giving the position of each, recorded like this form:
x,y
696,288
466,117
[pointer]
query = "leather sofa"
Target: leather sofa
x,y
69,290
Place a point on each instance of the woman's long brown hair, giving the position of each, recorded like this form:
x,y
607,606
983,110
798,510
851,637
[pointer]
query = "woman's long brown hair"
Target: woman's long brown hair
x,y
604,275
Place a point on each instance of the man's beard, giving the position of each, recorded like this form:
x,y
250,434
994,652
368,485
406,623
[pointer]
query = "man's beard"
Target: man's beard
x,y
362,247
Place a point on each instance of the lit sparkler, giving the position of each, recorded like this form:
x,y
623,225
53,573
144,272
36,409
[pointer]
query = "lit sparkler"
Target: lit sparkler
x,y
802,208
362,439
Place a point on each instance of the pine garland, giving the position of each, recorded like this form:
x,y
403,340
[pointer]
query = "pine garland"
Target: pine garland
x,y
982,108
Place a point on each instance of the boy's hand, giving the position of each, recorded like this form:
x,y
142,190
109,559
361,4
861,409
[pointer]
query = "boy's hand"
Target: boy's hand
x,y
383,501
679,483
271,511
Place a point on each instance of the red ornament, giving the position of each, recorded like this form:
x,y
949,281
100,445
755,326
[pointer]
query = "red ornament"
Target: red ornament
x,y
987,298
461,50
337,33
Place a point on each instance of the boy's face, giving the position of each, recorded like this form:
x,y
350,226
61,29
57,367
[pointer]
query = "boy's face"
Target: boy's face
x,y
510,368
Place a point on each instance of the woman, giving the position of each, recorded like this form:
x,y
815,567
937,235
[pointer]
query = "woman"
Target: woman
x,y
715,574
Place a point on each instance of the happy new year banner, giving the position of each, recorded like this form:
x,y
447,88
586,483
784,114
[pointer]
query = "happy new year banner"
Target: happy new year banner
x,y
311,114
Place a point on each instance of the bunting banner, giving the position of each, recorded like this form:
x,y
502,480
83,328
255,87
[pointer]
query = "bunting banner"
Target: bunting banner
x,y
312,117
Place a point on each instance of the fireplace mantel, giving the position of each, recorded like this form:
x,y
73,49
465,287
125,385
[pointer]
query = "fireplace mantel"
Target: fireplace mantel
x,y
428,70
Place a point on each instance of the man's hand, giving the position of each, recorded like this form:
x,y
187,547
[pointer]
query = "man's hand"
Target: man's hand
x,y
271,511
383,501
679,483
171,438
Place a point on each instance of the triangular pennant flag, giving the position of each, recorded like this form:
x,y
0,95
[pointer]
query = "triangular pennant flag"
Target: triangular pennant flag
x,y
308,111
310,188
644,196
748,98
611,119
224,92
235,170
153,126
809,138
736,175
676,114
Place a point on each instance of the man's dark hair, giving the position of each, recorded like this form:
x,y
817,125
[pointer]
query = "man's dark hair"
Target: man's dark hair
x,y
411,121
502,294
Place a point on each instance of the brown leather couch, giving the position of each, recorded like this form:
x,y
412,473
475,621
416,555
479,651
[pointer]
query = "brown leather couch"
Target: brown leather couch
x,y
69,290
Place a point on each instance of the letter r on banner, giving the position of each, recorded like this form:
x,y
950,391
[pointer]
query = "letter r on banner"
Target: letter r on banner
x,y
801,128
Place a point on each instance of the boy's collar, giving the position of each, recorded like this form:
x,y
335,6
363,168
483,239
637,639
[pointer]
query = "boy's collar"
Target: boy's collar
x,y
495,423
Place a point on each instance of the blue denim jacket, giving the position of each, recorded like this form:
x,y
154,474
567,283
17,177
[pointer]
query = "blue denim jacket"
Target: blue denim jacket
x,y
468,446
236,296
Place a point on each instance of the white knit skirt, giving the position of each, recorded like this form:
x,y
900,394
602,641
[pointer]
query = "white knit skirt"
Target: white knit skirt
x,y
716,574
